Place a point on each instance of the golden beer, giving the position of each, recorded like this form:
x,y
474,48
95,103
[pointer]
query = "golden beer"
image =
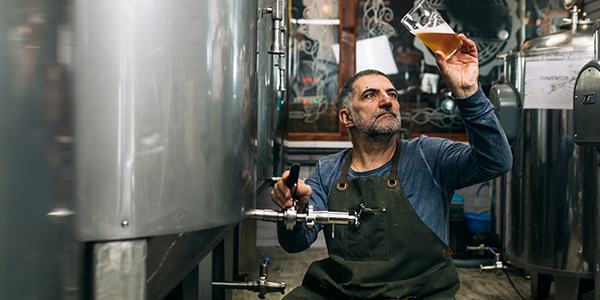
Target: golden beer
x,y
427,24
440,38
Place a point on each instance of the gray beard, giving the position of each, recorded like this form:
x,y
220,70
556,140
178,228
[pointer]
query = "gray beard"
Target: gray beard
x,y
376,131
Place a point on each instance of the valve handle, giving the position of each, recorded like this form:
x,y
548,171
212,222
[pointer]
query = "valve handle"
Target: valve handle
x,y
292,181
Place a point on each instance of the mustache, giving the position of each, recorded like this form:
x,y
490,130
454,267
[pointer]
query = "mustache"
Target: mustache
x,y
386,111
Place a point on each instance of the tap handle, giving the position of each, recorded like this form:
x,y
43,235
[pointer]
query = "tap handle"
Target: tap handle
x,y
263,269
292,181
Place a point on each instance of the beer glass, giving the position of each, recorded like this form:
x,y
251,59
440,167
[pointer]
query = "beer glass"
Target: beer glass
x,y
426,23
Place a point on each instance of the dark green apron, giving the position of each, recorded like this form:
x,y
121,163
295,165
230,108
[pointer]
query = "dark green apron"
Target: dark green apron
x,y
391,255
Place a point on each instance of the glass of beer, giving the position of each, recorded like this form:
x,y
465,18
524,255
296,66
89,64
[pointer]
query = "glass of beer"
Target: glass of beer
x,y
426,23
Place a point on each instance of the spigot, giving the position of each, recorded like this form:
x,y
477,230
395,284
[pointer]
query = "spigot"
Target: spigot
x,y
498,266
262,286
481,248
291,217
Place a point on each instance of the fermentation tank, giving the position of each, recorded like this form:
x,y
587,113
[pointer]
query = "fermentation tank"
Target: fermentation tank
x,y
164,115
129,134
37,245
586,112
544,218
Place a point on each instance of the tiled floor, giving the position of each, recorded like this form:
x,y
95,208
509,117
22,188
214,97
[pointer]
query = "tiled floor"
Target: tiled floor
x,y
291,268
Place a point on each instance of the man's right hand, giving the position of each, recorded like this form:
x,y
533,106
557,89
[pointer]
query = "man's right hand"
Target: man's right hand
x,y
461,71
282,196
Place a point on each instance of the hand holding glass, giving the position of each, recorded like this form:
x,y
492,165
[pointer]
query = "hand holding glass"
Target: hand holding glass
x,y
426,23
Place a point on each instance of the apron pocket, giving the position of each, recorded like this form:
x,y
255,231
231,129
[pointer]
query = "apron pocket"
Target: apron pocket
x,y
370,240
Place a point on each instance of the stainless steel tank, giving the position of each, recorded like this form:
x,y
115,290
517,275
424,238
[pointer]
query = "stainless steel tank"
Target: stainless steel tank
x,y
585,113
545,224
164,116
127,124
37,245
166,133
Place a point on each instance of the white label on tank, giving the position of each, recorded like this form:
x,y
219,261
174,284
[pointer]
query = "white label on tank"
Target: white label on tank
x,y
549,81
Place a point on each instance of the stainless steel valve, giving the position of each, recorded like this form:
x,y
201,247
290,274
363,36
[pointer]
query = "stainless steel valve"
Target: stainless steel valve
x,y
291,217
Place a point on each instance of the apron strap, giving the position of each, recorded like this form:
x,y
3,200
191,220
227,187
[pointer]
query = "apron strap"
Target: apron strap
x,y
392,182
342,185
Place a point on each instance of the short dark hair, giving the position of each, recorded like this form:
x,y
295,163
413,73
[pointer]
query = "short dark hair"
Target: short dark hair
x,y
347,92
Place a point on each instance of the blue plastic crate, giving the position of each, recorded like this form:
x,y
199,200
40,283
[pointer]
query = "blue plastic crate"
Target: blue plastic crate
x,y
478,222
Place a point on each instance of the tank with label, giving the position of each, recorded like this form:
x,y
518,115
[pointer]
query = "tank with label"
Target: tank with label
x,y
544,220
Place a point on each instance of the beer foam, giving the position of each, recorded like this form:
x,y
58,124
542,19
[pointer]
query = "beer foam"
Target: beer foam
x,y
444,28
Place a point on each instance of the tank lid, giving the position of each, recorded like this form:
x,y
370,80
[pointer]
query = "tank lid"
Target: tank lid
x,y
581,24
567,41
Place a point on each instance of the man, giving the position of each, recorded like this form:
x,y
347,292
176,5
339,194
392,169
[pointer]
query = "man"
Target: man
x,y
401,189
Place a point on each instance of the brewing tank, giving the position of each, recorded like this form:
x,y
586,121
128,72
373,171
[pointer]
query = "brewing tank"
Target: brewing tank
x,y
126,123
543,218
37,244
165,112
586,112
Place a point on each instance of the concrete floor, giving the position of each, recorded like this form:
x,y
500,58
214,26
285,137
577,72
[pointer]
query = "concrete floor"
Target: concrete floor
x,y
290,268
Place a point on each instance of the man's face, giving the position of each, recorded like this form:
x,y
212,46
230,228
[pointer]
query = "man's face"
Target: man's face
x,y
375,107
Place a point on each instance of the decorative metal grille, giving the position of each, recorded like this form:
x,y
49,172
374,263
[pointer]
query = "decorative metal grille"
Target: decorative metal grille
x,y
376,19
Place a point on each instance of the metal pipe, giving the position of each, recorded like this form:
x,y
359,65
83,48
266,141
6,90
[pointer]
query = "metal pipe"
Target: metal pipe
x,y
597,263
235,285
332,217
270,287
277,15
267,215
522,12
278,10
276,46
262,286
282,73
290,217
596,40
574,18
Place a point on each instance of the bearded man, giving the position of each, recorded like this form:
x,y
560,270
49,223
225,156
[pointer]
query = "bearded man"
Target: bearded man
x,y
401,189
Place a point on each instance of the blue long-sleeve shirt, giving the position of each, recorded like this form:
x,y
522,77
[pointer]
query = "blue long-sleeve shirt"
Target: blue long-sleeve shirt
x,y
429,169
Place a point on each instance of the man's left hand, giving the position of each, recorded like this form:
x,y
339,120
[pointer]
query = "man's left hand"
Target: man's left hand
x,y
461,70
